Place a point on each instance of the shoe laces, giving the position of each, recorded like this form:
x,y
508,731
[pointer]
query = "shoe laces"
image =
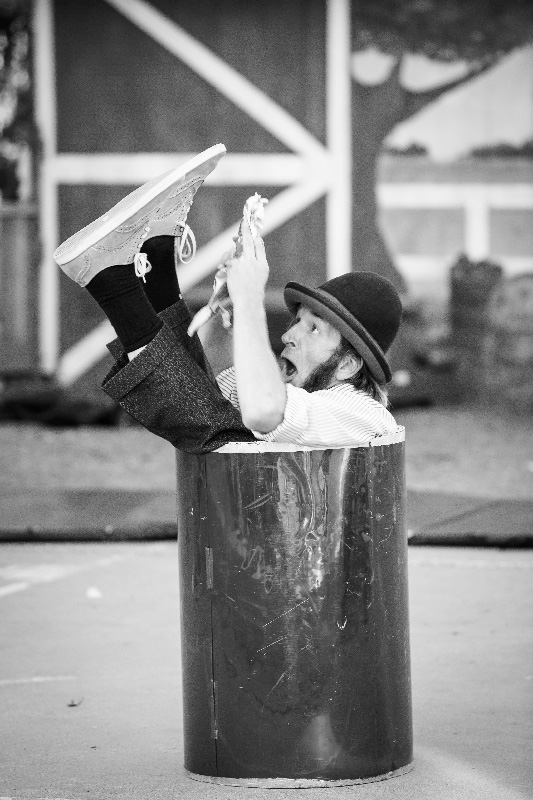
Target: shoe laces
x,y
185,250
142,265
186,245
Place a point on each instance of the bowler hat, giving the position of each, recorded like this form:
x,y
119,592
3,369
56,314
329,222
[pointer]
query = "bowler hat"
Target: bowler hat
x,y
364,307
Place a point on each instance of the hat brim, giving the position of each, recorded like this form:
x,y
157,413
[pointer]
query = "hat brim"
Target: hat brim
x,y
327,307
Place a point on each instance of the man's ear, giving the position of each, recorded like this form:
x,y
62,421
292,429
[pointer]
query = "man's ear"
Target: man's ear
x,y
348,366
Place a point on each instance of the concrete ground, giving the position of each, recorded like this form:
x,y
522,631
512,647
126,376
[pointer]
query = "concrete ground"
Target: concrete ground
x,y
90,691
90,678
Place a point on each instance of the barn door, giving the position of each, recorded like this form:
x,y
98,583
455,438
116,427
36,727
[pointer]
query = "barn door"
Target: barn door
x,y
127,89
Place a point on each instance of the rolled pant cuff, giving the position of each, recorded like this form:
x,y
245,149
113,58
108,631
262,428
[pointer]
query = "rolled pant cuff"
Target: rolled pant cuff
x,y
134,372
177,317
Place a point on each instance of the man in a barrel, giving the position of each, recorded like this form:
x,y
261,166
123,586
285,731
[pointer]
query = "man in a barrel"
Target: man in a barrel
x,y
327,390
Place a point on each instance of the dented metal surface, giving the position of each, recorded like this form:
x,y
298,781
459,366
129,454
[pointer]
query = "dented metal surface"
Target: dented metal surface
x,y
304,595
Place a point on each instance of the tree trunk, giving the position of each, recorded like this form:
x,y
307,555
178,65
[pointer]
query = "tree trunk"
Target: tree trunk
x,y
376,110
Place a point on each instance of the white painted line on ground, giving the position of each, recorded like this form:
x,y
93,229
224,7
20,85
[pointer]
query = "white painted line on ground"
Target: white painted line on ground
x,y
38,574
11,588
36,679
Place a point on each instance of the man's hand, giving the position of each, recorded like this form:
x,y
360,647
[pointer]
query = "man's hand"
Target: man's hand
x,y
247,274
261,390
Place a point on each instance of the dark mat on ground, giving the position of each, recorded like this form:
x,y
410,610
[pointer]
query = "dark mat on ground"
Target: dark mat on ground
x,y
430,511
84,512
121,514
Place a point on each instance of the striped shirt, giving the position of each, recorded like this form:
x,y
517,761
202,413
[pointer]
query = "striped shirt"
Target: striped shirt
x,y
341,416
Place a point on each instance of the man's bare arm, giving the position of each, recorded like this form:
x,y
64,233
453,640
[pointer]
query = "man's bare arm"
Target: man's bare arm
x,y
217,342
260,388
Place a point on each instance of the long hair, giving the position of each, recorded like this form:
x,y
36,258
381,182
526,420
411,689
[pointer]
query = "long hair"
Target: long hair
x,y
363,379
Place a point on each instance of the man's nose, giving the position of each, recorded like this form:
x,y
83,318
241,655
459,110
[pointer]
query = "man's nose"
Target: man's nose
x,y
289,337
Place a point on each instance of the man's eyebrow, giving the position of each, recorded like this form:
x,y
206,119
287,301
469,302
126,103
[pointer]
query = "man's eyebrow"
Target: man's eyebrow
x,y
315,315
295,318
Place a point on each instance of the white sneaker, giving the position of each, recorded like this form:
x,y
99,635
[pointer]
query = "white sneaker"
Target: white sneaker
x,y
157,208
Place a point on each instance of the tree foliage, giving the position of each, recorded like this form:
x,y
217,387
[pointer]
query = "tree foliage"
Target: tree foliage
x,y
14,70
478,31
16,108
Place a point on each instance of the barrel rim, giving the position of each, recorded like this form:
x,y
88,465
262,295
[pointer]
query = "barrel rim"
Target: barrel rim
x,y
297,783
260,446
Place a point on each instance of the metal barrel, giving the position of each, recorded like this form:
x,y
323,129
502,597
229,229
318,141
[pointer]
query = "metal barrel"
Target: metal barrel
x,y
508,356
293,570
471,286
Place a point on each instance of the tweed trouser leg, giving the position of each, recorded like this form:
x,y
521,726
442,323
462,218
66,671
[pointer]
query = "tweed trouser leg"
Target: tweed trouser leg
x,y
170,390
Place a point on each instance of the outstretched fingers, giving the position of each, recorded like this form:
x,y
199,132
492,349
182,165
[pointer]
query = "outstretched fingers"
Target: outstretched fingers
x,y
259,245
248,245
252,245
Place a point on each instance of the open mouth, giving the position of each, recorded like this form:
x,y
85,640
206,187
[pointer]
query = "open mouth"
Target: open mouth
x,y
288,369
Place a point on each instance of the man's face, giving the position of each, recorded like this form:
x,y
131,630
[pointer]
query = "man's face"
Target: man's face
x,y
309,342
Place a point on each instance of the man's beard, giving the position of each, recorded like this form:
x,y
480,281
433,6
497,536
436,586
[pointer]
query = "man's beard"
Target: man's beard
x,y
322,376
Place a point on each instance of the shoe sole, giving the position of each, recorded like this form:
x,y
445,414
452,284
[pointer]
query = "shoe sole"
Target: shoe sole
x,y
133,203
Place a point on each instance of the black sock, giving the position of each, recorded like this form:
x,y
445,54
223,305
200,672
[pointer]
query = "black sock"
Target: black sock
x,y
161,287
120,295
